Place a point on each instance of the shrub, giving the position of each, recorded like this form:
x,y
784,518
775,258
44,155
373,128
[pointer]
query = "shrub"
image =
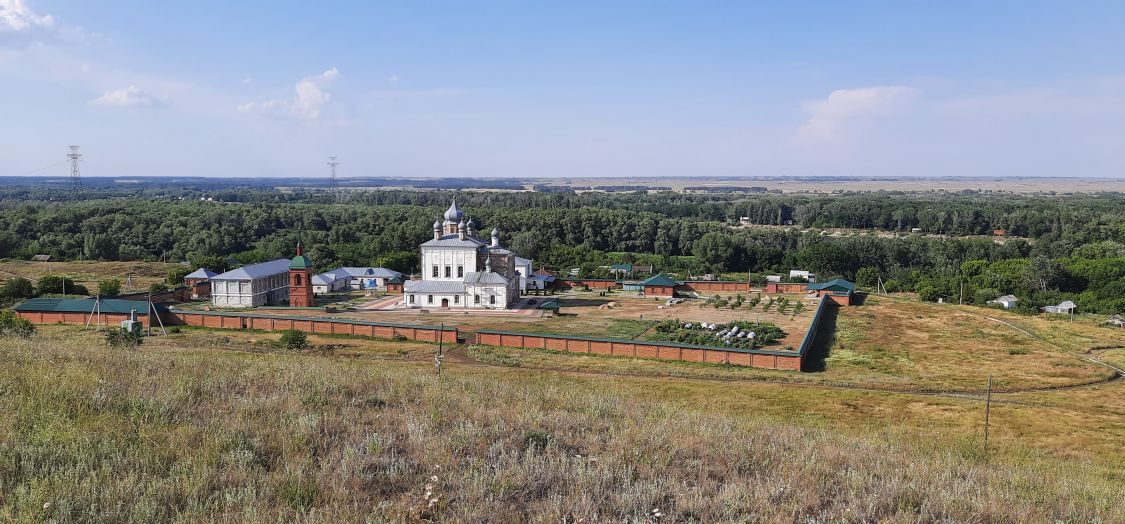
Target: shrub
x,y
294,339
121,339
176,276
109,287
158,287
12,325
54,284
18,287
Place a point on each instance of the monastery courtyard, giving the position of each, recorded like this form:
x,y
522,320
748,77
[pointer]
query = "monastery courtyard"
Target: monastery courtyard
x,y
616,315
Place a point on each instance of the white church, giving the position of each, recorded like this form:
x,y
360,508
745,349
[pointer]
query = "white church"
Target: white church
x,y
460,271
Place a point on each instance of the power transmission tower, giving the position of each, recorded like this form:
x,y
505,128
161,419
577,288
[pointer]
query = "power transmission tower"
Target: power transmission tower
x,y
332,163
75,177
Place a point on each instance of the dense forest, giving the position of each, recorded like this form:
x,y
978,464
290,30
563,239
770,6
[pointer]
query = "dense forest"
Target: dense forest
x,y
1054,247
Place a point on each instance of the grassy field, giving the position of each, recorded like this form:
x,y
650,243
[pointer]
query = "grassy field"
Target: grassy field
x,y
88,273
197,428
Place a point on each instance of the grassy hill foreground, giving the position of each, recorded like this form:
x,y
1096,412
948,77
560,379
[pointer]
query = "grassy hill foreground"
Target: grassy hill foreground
x,y
191,429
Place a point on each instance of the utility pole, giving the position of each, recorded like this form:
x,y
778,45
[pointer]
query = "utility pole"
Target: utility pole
x,y
440,355
987,412
332,163
75,177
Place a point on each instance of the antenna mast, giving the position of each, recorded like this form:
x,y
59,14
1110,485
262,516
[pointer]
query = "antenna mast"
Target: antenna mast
x,y
75,177
332,163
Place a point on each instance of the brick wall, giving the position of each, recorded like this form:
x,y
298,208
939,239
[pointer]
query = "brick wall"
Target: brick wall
x,y
637,348
712,286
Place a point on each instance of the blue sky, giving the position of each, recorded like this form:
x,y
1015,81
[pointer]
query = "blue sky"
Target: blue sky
x,y
480,89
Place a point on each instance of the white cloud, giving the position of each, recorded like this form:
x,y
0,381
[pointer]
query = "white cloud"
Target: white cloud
x,y
311,97
15,15
828,117
247,80
131,96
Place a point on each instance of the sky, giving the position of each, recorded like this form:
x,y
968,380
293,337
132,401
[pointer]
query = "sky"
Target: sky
x,y
563,89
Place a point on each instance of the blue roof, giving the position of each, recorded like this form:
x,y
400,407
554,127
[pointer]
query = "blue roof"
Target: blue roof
x,y
201,273
253,271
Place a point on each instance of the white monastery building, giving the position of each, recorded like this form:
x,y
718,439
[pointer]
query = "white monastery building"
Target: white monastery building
x,y
460,271
254,285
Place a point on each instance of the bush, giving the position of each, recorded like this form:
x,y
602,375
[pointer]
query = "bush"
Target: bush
x,y
121,339
18,287
158,287
54,284
12,325
176,276
109,287
294,339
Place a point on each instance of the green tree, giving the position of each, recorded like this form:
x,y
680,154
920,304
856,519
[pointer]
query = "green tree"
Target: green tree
x,y
401,261
109,287
158,287
54,284
714,251
867,277
18,287
176,276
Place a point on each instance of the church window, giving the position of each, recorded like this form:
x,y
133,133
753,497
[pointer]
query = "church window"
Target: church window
x,y
491,299
448,271
411,299
476,299
435,272
460,271
297,279
429,299
456,299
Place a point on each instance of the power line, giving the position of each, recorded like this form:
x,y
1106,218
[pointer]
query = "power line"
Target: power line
x,y
75,177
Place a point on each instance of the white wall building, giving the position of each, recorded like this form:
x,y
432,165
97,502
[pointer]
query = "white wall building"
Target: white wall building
x,y
254,285
352,279
460,271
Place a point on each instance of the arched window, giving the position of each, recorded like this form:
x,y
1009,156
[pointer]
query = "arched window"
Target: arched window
x,y
460,271
448,271
476,299
435,272
297,279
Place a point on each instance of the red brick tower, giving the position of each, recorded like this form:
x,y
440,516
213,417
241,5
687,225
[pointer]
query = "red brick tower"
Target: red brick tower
x,y
300,281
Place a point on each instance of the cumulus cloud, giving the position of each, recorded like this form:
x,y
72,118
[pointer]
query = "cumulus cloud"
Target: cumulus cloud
x,y
310,97
131,96
15,16
829,117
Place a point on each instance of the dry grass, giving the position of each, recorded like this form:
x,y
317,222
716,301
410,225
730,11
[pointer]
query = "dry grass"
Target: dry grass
x,y
189,431
88,273
918,344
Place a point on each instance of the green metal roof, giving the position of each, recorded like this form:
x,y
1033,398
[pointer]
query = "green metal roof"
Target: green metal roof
x,y
395,280
84,305
621,267
834,284
300,262
659,280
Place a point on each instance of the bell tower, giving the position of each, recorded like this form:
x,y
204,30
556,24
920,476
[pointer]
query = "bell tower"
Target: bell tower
x,y
300,280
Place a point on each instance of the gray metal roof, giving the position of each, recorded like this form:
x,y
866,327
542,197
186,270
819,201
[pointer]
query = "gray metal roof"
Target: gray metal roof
x,y
253,271
433,286
454,241
201,273
484,277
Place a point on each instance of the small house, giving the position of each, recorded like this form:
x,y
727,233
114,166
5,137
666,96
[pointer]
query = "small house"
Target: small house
x,y
1065,307
659,286
393,285
199,281
1006,301
807,275
839,289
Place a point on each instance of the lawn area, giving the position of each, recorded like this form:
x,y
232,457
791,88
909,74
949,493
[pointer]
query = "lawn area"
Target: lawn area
x,y
190,429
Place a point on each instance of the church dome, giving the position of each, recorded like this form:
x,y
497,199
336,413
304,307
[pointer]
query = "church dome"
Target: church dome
x,y
437,224
495,232
454,214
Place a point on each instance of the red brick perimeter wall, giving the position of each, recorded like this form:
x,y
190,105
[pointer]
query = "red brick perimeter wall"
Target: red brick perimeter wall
x,y
260,322
639,349
703,286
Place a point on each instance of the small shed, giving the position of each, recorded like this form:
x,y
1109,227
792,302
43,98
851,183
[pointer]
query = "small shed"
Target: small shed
x,y
841,290
41,258
1065,307
659,286
394,284
1006,301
